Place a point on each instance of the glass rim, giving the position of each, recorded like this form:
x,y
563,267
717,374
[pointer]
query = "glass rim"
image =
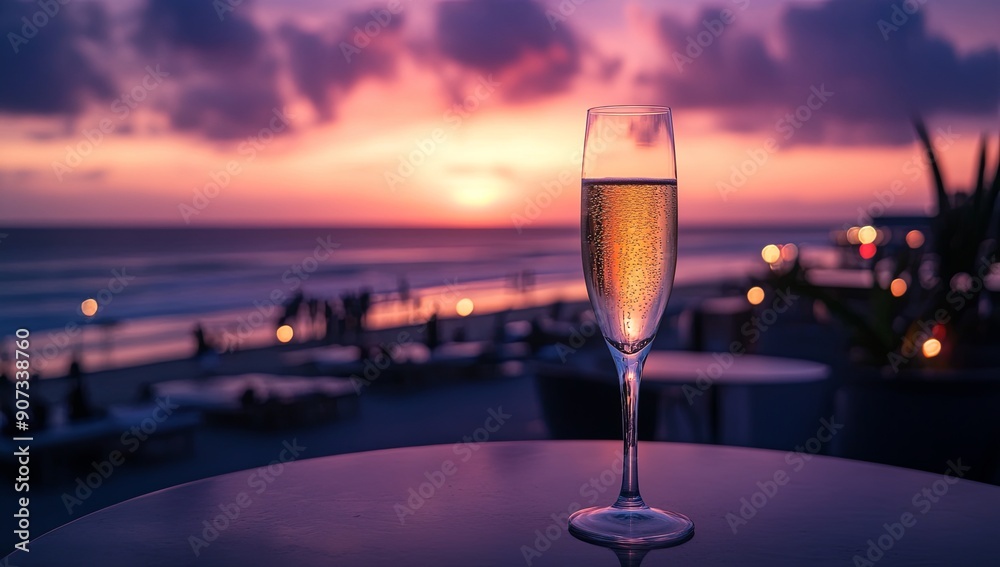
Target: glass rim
x,y
629,109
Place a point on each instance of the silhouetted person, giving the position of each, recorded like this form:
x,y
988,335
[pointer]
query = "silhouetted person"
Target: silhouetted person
x,y
433,337
364,304
537,338
403,288
249,398
293,306
352,316
208,357
341,318
313,313
697,337
79,405
556,310
330,323
201,342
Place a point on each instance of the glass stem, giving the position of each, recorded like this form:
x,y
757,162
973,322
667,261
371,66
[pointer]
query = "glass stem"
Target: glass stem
x,y
629,374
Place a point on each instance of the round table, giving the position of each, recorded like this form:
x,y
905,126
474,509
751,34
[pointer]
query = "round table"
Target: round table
x,y
507,503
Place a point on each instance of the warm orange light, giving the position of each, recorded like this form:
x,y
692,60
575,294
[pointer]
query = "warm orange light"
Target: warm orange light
x,y
867,251
89,307
755,295
464,307
867,234
898,287
931,348
789,252
914,239
852,235
285,333
771,253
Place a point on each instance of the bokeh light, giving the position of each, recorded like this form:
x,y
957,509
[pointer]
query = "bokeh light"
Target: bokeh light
x,y
755,295
961,282
771,253
789,252
898,287
867,251
464,307
914,239
285,333
867,234
852,235
931,348
89,307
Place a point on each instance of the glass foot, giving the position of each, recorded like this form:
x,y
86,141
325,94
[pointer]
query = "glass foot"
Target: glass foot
x,y
641,527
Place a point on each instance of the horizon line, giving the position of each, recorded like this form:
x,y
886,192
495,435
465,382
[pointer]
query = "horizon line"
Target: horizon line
x,y
263,226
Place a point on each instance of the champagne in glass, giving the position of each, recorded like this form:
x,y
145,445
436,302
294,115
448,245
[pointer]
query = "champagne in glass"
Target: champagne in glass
x,y
629,242
629,254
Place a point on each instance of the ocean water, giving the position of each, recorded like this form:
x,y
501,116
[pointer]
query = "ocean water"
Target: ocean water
x,y
153,285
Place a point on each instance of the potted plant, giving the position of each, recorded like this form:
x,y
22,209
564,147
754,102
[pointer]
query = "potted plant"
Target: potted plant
x,y
923,380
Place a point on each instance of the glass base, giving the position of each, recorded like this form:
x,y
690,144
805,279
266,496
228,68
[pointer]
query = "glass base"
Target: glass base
x,y
641,527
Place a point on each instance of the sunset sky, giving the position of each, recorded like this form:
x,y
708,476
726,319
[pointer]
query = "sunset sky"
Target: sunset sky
x,y
468,113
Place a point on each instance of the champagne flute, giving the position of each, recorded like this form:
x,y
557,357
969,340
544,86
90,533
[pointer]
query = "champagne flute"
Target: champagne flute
x,y
629,233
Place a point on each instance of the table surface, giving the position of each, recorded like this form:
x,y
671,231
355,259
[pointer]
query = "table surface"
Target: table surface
x,y
506,504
